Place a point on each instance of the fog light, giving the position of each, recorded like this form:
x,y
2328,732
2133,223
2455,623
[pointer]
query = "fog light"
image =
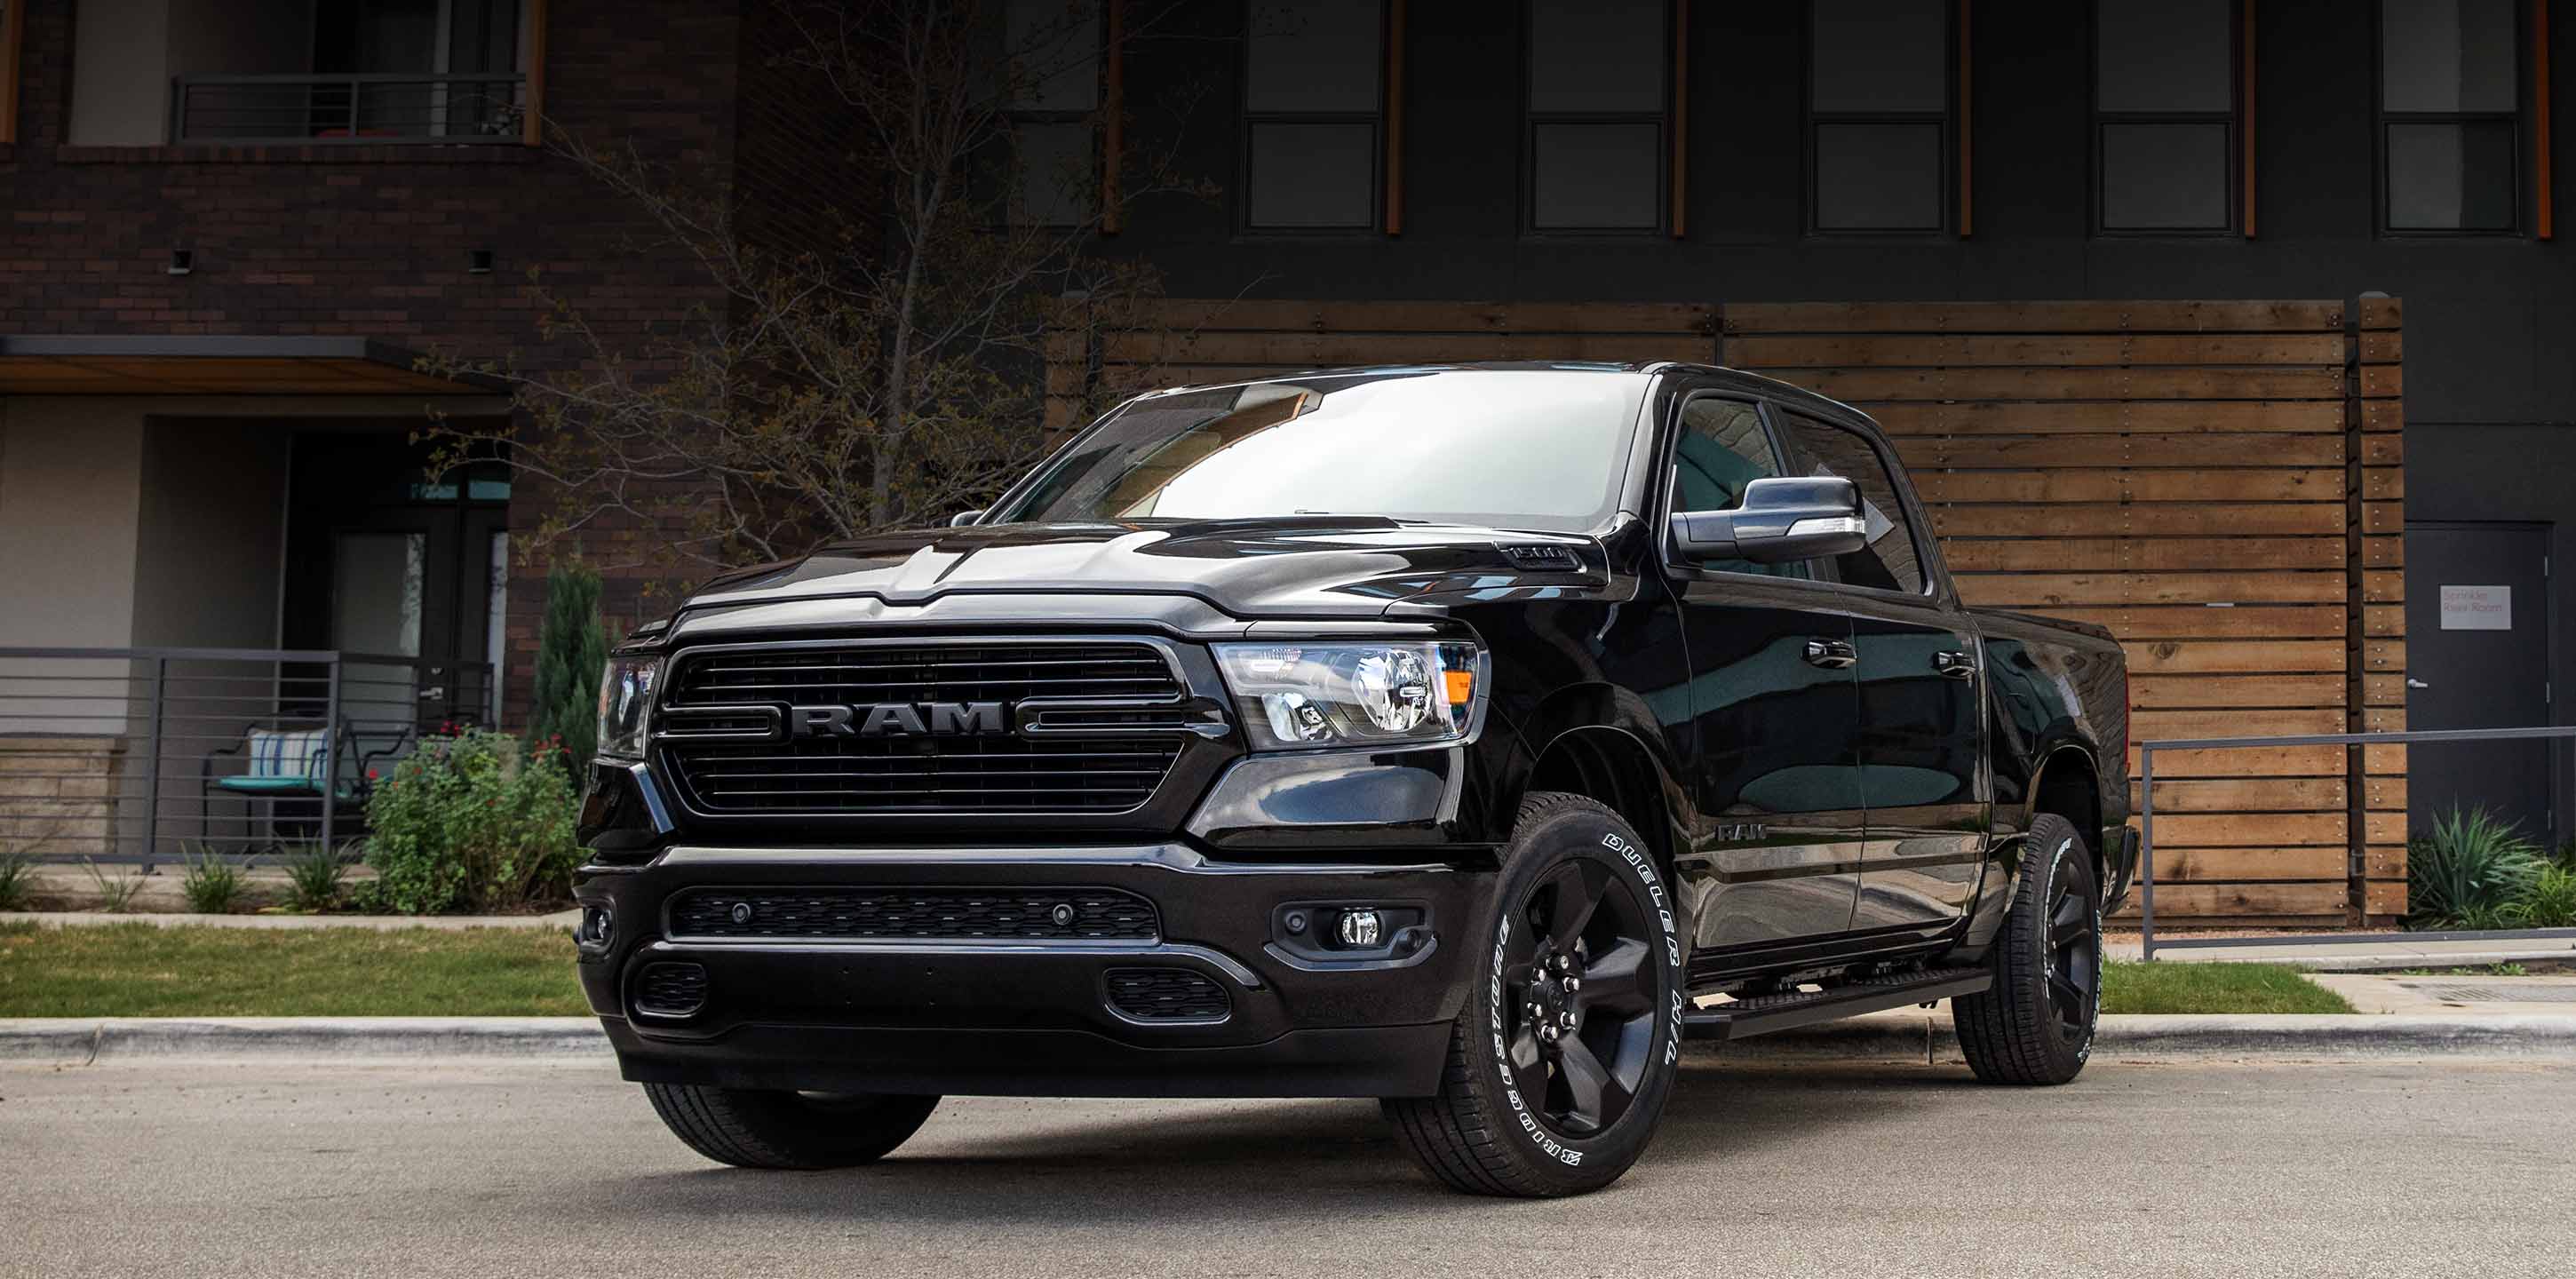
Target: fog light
x,y
1360,929
597,927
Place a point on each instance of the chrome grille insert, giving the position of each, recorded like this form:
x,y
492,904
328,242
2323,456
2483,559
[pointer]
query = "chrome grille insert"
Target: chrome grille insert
x,y
1079,727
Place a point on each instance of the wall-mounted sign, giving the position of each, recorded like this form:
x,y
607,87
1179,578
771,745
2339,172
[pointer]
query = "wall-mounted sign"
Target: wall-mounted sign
x,y
2477,608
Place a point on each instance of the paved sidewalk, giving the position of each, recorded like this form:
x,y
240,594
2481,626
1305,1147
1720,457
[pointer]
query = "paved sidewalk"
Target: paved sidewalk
x,y
2471,995
79,919
2365,954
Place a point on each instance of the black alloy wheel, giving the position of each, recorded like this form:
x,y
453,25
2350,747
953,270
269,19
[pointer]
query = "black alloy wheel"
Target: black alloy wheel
x,y
1568,1042
1580,1021
2074,972
2035,1024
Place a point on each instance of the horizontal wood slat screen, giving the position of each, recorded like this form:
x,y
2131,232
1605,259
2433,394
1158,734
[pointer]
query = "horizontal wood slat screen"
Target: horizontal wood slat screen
x,y
2220,483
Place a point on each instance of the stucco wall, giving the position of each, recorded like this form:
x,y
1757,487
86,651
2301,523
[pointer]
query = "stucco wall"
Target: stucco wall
x,y
211,529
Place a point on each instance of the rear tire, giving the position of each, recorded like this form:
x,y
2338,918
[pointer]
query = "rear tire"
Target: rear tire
x,y
2035,1025
1566,1047
751,1128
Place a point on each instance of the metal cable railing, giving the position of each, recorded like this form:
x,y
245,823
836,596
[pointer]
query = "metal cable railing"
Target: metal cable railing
x,y
140,754
2147,943
253,110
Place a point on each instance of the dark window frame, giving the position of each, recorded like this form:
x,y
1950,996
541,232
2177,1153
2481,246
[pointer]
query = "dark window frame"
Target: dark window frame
x,y
1532,120
2382,118
2232,119
1018,117
1817,573
1247,119
1945,199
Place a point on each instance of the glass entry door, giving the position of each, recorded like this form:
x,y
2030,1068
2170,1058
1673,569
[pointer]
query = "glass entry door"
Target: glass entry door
x,y
401,572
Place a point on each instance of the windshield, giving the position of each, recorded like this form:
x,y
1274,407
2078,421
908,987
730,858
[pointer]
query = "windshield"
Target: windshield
x,y
1539,448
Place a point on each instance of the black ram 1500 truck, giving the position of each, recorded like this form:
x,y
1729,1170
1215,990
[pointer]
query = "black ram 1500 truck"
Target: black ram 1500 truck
x,y
1461,736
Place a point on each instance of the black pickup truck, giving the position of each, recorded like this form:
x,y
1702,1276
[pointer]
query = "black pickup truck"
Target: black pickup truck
x,y
1464,736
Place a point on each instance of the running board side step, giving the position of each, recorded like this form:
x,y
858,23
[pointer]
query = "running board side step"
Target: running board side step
x,y
1764,1014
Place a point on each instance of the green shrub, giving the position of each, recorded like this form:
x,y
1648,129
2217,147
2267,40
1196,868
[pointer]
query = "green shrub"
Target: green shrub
x,y
17,880
2565,858
572,650
473,822
313,874
212,885
2468,871
2550,902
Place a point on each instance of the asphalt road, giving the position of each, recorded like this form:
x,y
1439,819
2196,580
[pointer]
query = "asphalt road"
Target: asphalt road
x,y
2448,1167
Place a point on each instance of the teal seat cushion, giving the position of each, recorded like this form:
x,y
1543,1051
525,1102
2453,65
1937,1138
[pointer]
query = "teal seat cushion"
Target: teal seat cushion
x,y
278,786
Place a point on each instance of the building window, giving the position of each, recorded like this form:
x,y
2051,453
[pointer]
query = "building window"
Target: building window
x,y
2450,95
1878,115
2164,115
1052,48
1597,114
1312,106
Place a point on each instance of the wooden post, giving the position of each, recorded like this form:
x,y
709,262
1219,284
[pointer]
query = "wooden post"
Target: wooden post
x,y
1681,119
1113,122
13,25
532,124
2547,227
1967,128
2245,120
1395,117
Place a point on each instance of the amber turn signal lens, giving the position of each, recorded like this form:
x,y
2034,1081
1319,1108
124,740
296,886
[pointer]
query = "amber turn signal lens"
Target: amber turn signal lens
x,y
1460,685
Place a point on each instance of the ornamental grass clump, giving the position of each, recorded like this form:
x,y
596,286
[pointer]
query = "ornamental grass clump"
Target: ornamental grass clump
x,y
474,822
2469,872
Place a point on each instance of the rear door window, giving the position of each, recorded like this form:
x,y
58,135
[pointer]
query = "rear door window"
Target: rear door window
x,y
1890,561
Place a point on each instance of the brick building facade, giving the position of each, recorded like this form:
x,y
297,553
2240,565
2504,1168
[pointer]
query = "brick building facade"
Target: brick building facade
x,y
394,249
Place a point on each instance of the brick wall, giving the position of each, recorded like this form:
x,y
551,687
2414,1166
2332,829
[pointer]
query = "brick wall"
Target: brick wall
x,y
375,242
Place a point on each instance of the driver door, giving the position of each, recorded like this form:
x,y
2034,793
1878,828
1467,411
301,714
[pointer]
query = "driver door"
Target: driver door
x,y
1776,705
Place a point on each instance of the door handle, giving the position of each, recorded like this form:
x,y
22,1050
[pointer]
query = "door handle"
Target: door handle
x,y
1833,655
1956,665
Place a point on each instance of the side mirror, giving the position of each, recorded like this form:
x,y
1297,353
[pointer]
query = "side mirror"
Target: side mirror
x,y
1782,519
964,518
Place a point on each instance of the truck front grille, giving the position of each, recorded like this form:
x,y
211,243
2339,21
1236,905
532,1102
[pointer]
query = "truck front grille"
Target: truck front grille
x,y
1126,691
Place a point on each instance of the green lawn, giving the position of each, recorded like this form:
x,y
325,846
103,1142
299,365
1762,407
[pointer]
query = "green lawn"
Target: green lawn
x,y
137,970
2213,988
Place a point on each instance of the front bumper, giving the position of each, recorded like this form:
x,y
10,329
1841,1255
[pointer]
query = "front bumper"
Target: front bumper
x,y
1018,1017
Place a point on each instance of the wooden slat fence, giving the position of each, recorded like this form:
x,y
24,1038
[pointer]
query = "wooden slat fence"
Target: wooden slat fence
x,y
2220,483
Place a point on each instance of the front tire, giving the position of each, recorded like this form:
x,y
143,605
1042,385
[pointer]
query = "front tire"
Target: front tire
x,y
1566,1048
751,1128
2035,1025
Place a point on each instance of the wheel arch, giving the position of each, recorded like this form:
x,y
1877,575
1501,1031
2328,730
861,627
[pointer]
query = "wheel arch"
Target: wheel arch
x,y
1603,743
2069,784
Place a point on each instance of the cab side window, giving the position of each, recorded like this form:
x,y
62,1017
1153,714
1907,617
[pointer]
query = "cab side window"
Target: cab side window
x,y
1721,449
1889,562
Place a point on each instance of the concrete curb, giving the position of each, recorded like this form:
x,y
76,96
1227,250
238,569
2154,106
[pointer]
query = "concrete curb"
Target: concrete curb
x,y
84,1040
1911,1037
382,923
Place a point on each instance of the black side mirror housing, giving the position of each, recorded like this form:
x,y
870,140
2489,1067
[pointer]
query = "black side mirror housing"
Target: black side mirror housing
x,y
1782,519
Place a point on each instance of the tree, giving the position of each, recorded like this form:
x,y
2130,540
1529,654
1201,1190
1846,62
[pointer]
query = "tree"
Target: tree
x,y
888,371
572,651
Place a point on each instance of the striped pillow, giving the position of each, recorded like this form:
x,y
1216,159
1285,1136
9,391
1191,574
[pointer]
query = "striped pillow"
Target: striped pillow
x,y
280,754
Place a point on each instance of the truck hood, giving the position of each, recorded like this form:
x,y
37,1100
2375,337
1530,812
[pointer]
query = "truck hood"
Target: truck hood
x,y
1337,567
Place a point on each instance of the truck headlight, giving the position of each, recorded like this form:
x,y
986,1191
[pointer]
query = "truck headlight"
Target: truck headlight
x,y
1394,693
625,698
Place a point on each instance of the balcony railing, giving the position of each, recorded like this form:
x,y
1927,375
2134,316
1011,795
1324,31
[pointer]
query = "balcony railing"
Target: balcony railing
x,y
278,110
141,754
